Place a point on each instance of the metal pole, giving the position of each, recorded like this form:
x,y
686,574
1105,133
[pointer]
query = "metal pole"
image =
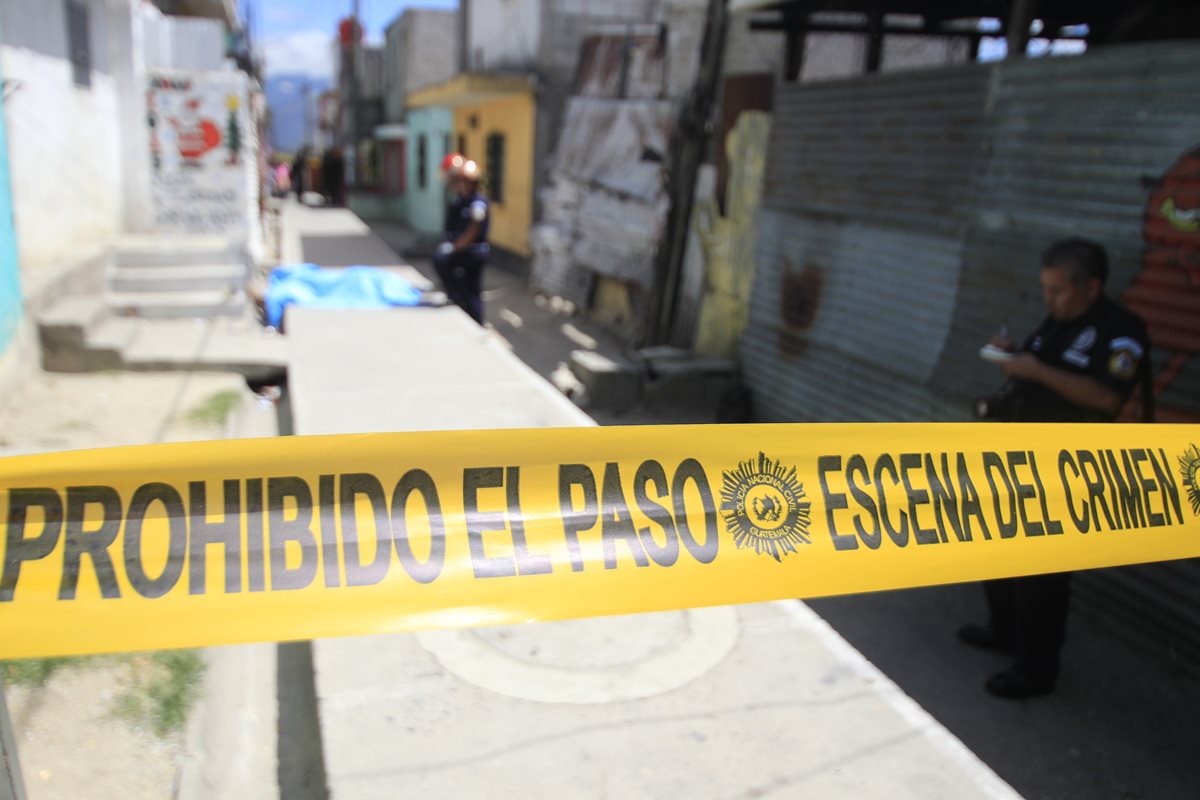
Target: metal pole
x,y
11,785
686,151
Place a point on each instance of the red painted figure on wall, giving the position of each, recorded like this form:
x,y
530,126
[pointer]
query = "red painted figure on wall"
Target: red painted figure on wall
x,y
1167,290
197,135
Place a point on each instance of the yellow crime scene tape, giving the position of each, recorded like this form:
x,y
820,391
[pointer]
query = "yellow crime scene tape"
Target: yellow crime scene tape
x,y
207,543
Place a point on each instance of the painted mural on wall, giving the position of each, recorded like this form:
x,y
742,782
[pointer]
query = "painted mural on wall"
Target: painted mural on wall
x,y
198,170
1166,292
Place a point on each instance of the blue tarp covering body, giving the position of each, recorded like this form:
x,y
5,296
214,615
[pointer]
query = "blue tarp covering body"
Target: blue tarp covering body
x,y
351,287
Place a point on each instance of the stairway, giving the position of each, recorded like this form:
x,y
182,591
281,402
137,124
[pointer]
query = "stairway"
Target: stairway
x,y
172,277
168,303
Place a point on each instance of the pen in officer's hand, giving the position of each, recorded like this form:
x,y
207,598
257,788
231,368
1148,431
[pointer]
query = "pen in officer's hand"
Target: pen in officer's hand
x,y
1003,333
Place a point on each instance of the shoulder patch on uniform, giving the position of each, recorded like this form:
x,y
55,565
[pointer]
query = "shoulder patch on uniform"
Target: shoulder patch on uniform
x,y
1126,343
1123,363
479,211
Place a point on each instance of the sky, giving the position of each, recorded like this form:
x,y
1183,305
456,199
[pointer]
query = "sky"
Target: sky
x,y
296,35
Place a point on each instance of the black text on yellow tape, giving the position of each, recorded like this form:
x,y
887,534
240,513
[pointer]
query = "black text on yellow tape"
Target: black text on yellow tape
x,y
208,543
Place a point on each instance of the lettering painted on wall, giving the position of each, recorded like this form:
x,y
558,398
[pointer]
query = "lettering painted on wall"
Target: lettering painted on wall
x,y
197,124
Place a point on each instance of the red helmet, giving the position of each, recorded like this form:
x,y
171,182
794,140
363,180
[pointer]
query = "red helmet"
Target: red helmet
x,y
452,163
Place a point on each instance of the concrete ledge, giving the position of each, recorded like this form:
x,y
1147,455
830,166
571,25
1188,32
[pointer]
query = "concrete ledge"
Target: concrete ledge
x,y
203,303
665,378
610,384
162,278
151,250
62,333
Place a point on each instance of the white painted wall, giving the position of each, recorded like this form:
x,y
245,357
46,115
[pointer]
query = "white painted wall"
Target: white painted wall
x,y
923,52
132,32
63,139
79,156
503,33
831,56
183,42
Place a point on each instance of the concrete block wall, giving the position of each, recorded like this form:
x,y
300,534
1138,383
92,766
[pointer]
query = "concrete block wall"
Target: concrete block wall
x,y
421,49
432,47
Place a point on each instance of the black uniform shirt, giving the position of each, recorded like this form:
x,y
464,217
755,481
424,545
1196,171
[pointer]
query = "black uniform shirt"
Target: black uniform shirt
x,y
1108,343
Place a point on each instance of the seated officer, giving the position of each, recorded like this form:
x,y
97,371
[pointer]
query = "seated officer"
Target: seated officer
x,y
1080,365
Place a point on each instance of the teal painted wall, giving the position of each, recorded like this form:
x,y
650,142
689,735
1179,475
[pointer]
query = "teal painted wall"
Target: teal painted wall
x,y
375,205
10,283
424,209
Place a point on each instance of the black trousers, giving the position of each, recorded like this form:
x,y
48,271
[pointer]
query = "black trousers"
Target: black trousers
x,y
461,275
1031,612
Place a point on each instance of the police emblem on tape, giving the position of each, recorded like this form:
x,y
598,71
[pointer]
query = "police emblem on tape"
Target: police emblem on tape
x,y
1189,470
765,507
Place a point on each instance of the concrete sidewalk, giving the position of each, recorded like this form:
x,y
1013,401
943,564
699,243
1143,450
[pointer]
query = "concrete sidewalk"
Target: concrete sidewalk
x,y
742,701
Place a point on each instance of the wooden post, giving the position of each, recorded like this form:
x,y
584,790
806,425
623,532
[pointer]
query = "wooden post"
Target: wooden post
x,y
688,139
11,786
874,41
795,26
1020,17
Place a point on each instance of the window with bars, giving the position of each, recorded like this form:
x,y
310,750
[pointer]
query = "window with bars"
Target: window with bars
x,y
78,42
422,161
495,167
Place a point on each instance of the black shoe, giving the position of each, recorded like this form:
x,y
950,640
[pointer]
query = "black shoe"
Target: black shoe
x,y
986,638
1015,686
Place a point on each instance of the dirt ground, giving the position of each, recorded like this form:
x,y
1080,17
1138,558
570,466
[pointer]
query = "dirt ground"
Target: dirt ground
x,y
70,741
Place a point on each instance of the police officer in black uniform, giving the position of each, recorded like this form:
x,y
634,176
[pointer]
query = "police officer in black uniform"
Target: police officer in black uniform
x,y
460,259
1080,365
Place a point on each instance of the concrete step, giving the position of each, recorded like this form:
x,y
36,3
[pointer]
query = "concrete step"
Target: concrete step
x,y
150,251
219,344
62,331
177,277
202,303
106,342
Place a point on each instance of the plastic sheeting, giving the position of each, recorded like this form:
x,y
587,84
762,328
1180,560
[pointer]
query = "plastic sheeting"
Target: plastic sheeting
x,y
349,287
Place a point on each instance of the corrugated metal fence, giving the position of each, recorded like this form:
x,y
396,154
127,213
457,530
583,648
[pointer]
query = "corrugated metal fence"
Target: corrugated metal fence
x,y
903,217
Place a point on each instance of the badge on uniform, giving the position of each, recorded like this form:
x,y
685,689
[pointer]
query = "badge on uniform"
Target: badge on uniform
x,y
1077,352
1126,353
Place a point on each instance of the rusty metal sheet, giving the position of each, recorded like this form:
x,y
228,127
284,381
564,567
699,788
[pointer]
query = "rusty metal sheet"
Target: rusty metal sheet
x,y
621,66
606,143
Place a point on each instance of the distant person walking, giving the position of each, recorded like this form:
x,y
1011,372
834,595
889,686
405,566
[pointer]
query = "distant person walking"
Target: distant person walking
x,y
333,176
300,173
460,259
282,179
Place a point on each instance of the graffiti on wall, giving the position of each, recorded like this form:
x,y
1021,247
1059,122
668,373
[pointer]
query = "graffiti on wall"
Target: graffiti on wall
x,y
198,171
1166,291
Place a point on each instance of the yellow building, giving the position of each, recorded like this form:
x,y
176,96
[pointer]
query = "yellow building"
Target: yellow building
x,y
494,126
